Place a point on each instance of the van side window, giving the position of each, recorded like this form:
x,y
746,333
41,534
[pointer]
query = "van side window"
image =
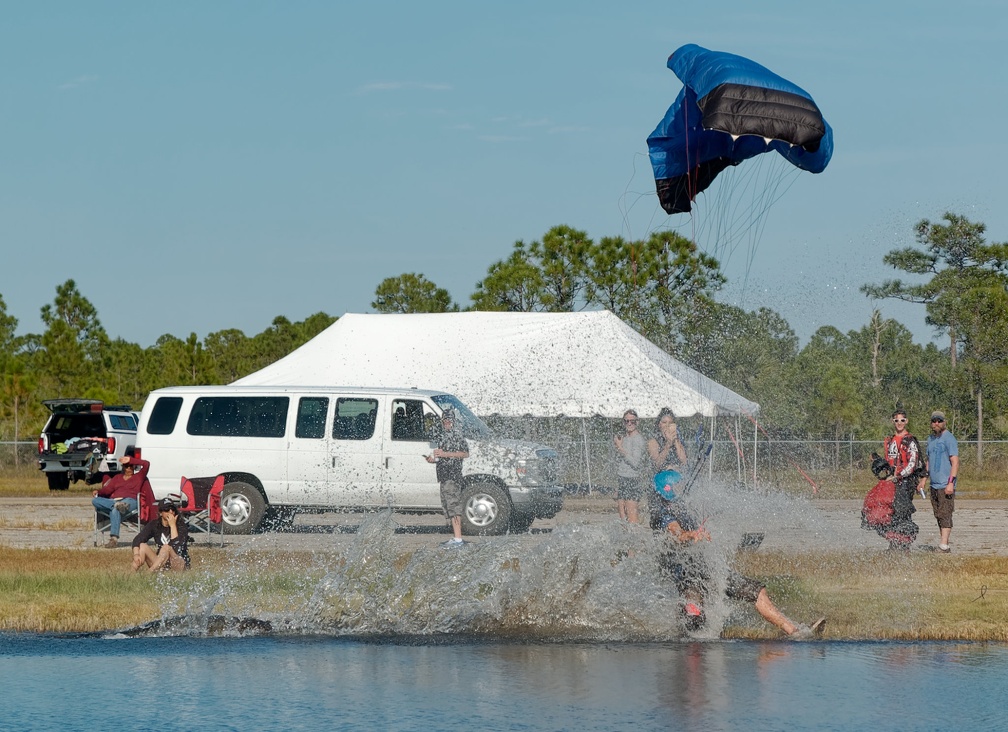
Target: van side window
x,y
239,416
408,420
355,419
163,416
311,417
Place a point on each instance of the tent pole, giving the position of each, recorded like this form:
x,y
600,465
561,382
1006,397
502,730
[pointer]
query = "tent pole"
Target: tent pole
x,y
584,436
755,439
739,475
710,463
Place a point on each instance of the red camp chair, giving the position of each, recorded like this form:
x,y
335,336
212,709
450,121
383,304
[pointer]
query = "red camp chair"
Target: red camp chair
x,y
103,522
202,507
146,512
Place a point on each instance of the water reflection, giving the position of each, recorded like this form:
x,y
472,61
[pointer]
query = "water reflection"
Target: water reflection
x,y
327,682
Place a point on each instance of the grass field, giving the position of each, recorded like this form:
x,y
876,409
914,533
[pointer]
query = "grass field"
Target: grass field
x,y
874,595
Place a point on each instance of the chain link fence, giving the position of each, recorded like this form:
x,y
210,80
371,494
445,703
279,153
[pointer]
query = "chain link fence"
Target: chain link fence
x,y
803,464
18,454
587,457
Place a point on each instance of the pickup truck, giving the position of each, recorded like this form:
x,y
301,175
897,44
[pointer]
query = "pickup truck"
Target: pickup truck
x,y
83,439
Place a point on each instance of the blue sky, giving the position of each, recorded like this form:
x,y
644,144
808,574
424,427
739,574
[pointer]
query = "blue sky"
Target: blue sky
x,y
196,166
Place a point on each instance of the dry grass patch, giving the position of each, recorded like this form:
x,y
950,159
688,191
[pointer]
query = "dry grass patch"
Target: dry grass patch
x,y
872,594
67,590
63,524
865,594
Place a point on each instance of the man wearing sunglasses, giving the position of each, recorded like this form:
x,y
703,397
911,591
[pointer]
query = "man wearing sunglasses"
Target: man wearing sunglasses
x,y
943,470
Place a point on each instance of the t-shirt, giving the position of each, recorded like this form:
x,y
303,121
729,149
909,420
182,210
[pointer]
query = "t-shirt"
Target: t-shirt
x,y
630,464
451,468
939,450
677,511
672,461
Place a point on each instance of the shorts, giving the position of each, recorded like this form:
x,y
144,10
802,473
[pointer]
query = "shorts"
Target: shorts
x,y
451,498
630,489
692,577
740,587
943,507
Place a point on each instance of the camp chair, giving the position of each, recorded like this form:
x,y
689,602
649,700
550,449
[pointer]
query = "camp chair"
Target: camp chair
x,y
146,511
103,523
198,509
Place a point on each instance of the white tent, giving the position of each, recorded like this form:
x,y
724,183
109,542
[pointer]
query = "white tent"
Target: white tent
x,y
511,364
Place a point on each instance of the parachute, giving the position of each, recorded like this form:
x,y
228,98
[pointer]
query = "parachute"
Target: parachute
x,y
730,109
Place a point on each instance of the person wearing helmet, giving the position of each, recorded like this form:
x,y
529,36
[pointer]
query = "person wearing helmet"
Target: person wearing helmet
x,y
687,567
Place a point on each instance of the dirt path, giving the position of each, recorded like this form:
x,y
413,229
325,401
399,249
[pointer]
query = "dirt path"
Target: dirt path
x,y
981,526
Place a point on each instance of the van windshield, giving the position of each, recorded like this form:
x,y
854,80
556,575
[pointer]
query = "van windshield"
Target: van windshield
x,y
470,426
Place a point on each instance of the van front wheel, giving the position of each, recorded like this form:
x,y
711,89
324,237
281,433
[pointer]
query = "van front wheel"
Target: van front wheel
x,y
486,510
242,508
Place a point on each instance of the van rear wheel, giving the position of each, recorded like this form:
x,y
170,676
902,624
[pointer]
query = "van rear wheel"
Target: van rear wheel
x,y
486,510
242,508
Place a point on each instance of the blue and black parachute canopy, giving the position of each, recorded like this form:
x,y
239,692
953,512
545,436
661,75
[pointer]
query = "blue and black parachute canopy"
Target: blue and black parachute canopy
x,y
729,110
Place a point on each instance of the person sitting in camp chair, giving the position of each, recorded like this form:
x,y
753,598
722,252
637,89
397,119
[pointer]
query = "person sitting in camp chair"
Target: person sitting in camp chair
x,y
117,498
687,567
171,540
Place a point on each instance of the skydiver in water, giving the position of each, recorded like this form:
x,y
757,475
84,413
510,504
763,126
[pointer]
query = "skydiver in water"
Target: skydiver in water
x,y
686,566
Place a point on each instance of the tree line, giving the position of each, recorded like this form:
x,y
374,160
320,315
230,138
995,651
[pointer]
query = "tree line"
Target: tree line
x,y
664,287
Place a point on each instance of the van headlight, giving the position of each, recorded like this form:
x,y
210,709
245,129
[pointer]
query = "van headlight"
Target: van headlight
x,y
538,469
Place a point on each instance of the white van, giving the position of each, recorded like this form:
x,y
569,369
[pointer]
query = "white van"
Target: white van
x,y
287,448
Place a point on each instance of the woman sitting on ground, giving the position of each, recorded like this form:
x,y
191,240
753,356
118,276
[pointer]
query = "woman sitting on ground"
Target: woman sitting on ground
x,y
171,540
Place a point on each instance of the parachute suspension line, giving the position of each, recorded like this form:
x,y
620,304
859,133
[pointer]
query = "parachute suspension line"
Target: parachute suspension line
x,y
693,181
735,208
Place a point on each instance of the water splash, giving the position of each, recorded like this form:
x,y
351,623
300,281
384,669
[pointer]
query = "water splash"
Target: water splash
x,y
589,581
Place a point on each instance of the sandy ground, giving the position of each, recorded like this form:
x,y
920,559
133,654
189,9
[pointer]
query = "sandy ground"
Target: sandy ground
x,y
981,526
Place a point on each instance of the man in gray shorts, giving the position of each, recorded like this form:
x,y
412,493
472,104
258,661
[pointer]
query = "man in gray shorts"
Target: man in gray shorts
x,y
452,449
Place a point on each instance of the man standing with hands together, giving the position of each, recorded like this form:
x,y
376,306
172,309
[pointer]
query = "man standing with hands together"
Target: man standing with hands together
x,y
943,470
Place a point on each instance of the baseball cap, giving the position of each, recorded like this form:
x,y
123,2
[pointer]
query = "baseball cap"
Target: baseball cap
x,y
937,416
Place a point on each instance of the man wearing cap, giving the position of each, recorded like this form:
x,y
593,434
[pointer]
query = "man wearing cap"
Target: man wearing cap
x,y
117,498
691,573
171,539
451,450
943,470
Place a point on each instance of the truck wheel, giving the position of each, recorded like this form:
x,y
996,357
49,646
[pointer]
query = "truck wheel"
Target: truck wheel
x,y
242,508
486,510
58,481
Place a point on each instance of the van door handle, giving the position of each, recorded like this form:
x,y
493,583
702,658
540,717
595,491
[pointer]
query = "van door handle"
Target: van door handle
x,y
387,462
334,461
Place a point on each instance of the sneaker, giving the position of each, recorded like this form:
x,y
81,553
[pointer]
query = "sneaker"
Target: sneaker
x,y
818,627
122,507
944,548
113,542
453,542
808,632
801,632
